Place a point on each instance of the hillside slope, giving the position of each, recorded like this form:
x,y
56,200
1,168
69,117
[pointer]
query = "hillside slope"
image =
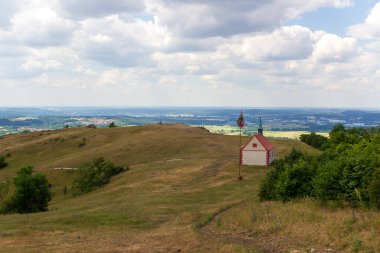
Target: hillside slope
x,y
179,176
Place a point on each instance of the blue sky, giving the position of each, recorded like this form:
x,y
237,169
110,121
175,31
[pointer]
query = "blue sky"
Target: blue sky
x,y
274,53
335,20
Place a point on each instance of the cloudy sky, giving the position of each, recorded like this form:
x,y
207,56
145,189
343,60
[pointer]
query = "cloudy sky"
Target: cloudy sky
x,y
260,53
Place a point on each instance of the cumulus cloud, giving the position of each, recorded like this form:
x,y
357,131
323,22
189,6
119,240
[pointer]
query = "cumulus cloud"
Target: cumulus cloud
x,y
173,52
41,65
40,26
293,42
110,77
197,18
115,42
99,8
331,47
8,8
371,26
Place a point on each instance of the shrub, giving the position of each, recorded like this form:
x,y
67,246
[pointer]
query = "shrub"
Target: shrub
x,y
112,124
82,143
315,140
290,178
3,164
374,190
267,190
294,181
32,192
346,172
326,183
95,174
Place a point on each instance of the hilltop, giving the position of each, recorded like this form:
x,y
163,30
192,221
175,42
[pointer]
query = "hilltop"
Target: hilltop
x,y
179,178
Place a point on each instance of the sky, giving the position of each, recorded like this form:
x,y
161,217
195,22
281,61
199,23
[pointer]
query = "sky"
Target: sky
x,y
240,53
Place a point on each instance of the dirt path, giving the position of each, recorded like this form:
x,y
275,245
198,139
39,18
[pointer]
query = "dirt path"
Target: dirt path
x,y
237,238
262,243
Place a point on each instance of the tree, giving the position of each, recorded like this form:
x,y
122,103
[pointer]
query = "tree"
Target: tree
x,y
32,192
112,124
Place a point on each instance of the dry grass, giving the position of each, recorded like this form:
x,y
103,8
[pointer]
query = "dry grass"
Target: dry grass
x,y
180,176
304,225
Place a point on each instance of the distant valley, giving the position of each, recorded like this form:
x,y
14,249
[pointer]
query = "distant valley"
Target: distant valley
x,y
220,120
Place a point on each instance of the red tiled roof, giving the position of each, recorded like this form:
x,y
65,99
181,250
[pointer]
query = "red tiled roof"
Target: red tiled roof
x,y
264,141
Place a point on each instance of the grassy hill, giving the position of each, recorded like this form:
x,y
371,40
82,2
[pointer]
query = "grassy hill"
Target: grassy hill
x,y
180,179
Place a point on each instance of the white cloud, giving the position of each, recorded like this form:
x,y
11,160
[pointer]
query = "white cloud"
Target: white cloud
x,y
100,38
38,27
197,18
111,77
8,8
294,42
370,28
41,65
115,42
99,8
331,47
172,52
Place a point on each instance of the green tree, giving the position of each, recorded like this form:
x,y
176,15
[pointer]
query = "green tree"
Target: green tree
x,y
32,192
112,124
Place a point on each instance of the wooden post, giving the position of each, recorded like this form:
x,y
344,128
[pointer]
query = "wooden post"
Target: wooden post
x,y
239,175
240,123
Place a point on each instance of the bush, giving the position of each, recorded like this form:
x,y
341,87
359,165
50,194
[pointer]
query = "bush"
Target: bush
x,y
82,143
346,172
315,140
326,183
112,124
267,190
95,174
295,181
32,192
290,178
374,190
3,164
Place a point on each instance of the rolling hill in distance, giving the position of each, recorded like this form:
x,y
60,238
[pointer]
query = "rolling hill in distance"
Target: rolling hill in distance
x,y
216,119
179,195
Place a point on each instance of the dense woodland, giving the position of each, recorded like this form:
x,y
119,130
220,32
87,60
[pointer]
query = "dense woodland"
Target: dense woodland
x,y
347,171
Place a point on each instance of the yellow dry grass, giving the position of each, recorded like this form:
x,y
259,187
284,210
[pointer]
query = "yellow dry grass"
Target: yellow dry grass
x,y
179,178
304,225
